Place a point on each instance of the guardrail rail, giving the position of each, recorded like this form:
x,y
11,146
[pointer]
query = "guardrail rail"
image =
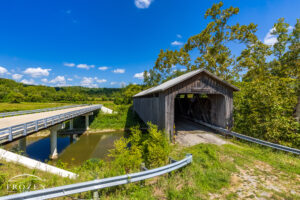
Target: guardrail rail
x,y
100,183
23,112
250,139
9,133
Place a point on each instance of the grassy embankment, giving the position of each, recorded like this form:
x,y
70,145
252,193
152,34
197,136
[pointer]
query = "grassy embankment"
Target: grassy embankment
x,y
123,118
230,171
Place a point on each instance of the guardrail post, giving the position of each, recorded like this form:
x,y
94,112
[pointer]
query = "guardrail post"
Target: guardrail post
x,y
95,195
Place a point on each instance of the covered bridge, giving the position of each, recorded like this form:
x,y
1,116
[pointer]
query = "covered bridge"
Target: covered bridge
x,y
198,94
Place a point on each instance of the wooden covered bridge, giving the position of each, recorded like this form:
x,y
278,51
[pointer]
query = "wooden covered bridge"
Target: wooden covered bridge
x,y
198,94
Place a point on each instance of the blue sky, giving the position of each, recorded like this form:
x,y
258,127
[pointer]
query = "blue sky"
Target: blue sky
x,y
107,43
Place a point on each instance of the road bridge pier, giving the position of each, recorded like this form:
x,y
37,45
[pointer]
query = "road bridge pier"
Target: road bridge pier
x,y
53,140
87,120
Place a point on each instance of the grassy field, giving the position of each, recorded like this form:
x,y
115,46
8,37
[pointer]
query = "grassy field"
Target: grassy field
x,y
232,171
9,107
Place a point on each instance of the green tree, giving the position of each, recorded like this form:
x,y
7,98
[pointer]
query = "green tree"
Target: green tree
x,y
212,44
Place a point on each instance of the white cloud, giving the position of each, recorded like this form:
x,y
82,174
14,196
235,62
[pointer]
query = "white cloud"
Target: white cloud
x,y
270,39
88,82
37,72
142,3
59,80
119,71
28,82
85,66
183,69
70,79
113,83
176,43
77,77
139,75
100,80
3,70
17,76
179,36
44,80
103,68
69,64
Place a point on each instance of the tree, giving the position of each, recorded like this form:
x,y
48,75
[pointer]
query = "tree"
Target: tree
x,y
212,44
15,97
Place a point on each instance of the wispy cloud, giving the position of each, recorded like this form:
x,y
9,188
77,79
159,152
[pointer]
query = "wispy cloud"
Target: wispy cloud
x,y
28,82
44,80
272,39
179,36
269,38
113,83
37,72
85,66
142,4
119,71
17,76
3,70
100,80
176,43
59,80
139,75
103,68
69,64
88,82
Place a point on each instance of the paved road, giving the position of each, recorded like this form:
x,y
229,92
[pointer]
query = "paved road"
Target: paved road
x,y
16,120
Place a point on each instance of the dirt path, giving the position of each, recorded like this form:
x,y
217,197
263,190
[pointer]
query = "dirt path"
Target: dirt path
x,y
190,133
260,182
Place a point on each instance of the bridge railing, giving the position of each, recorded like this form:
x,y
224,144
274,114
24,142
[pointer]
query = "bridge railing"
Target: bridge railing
x,y
9,133
100,183
24,112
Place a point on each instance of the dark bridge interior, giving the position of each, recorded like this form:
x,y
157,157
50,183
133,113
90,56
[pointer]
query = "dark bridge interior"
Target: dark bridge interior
x,y
208,108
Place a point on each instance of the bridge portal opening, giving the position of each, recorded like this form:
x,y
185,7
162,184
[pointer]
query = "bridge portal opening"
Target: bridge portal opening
x,y
209,108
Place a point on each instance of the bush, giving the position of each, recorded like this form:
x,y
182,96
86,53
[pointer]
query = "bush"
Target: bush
x,y
152,148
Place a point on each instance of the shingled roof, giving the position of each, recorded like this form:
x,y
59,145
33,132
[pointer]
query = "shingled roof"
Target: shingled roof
x,y
168,84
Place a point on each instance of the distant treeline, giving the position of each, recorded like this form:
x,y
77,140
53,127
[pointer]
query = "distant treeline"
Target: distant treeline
x,y
14,92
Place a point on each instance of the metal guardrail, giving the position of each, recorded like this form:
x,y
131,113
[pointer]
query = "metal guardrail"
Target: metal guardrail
x,y
100,183
250,139
24,112
9,133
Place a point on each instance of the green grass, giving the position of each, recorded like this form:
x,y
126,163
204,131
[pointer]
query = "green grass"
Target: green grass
x,y
9,107
124,118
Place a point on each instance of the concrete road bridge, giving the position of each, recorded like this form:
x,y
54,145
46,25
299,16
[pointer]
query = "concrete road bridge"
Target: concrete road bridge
x,y
18,127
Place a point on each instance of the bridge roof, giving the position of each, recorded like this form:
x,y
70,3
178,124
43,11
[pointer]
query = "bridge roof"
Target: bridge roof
x,y
168,84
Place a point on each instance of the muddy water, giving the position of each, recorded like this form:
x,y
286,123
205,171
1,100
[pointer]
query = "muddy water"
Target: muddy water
x,y
74,152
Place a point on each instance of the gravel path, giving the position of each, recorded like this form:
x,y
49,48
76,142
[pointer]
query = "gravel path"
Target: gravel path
x,y
190,133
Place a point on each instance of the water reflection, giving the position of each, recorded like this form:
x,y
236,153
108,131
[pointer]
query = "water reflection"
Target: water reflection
x,y
72,151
